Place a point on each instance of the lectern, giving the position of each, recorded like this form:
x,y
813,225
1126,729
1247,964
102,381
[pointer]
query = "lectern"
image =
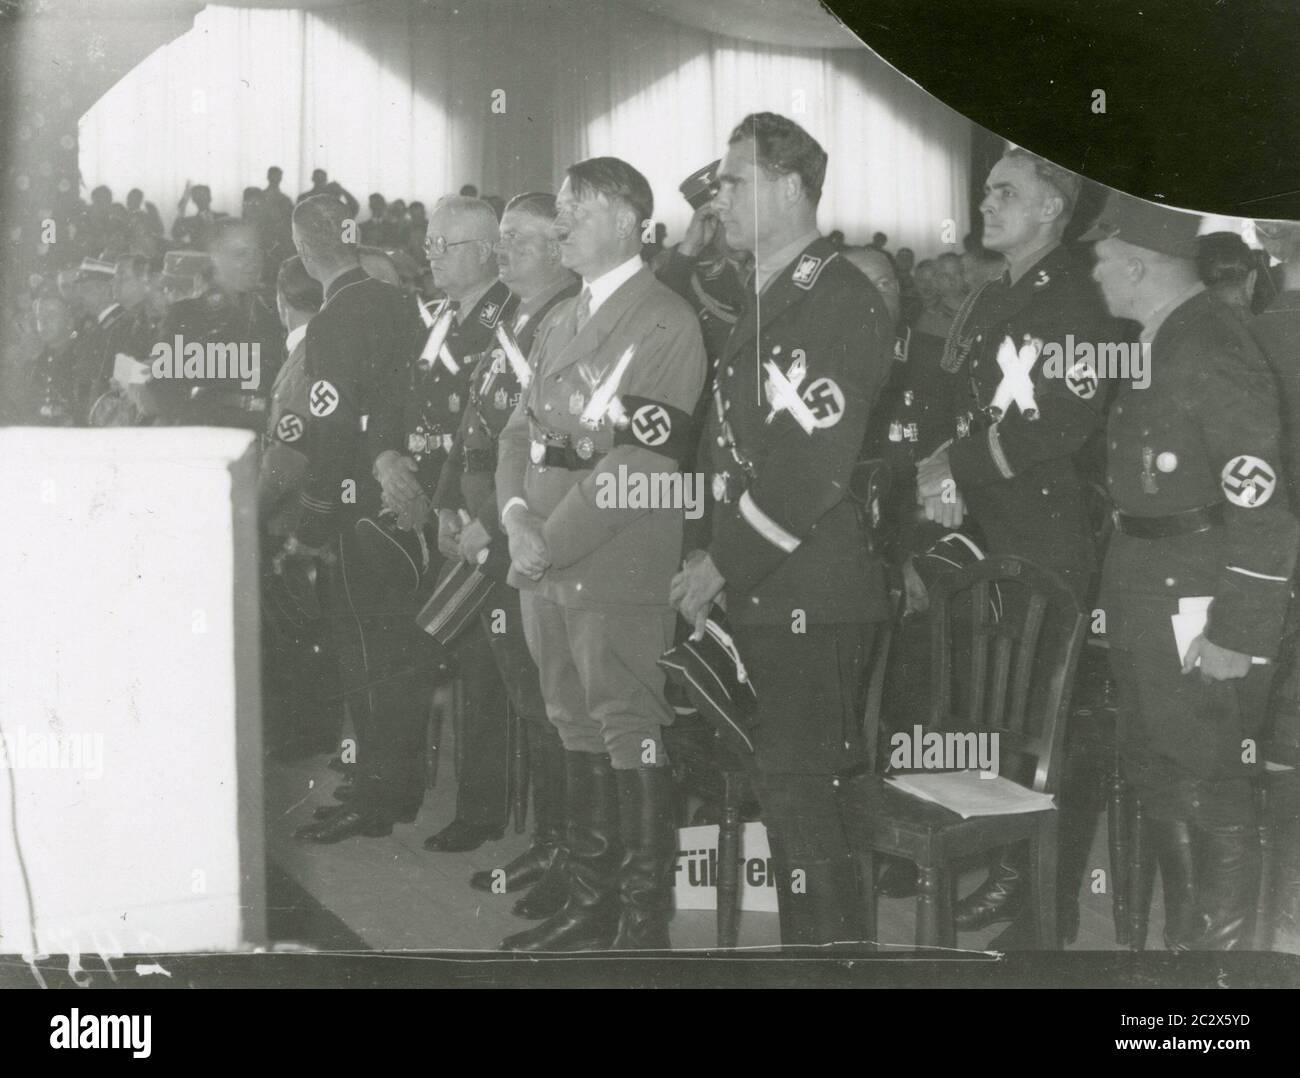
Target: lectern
x,y
130,697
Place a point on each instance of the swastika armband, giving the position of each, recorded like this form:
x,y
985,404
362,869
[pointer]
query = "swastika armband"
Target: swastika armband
x,y
289,428
322,398
1248,481
654,425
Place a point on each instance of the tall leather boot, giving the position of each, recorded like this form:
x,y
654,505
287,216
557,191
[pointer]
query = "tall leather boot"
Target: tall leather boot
x,y
1172,842
588,919
546,773
645,800
825,907
818,889
999,897
1228,861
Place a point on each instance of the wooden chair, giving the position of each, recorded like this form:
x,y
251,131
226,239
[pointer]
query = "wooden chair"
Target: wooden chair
x,y
1026,635
737,789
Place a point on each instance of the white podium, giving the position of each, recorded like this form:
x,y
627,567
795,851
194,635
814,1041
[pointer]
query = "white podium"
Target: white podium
x,y
130,692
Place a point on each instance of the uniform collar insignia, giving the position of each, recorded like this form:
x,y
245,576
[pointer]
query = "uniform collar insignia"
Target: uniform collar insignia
x,y
1042,279
805,270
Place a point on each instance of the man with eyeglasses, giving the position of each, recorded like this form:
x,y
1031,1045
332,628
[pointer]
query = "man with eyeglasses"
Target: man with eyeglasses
x,y
529,260
616,375
460,244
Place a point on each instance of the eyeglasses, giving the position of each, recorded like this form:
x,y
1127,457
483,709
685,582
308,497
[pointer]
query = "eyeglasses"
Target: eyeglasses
x,y
439,245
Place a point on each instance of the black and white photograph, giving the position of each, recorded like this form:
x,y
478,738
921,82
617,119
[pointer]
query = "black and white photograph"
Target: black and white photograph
x,y
635,489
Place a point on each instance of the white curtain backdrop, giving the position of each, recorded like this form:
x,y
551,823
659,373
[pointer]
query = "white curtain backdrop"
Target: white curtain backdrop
x,y
397,97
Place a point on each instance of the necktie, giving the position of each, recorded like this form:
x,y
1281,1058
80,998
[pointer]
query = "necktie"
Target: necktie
x,y
582,312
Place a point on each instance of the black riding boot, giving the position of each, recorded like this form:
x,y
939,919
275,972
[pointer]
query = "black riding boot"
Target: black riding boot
x,y
1172,842
998,898
645,799
546,772
1227,886
588,919
818,893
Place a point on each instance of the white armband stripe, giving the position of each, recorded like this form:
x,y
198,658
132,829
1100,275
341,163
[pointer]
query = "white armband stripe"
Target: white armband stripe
x,y
768,528
1257,576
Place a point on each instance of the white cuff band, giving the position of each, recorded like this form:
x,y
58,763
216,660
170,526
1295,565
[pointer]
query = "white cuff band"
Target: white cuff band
x,y
768,528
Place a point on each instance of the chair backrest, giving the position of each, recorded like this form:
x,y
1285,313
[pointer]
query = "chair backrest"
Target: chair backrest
x,y
1025,631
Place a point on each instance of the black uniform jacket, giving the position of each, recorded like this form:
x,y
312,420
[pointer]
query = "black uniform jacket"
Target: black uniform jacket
x,y
1018,476
784,532
1204,433
359,348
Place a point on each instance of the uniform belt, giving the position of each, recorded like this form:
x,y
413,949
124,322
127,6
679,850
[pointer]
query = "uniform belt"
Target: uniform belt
x,y
1185,523
562,456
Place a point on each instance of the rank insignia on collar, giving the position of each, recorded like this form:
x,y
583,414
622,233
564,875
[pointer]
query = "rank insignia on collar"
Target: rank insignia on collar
x,y
501,400
453,402
488,315
805,273
577,402
1042,280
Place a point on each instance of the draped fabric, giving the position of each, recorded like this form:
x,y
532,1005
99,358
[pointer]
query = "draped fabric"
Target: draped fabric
x,y
413,100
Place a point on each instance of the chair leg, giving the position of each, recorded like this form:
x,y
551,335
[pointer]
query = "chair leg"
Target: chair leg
x,y
1042,883
1117,826
728,927
928,903
1142,877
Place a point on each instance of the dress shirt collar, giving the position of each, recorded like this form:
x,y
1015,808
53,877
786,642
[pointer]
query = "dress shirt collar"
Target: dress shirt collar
x,y
1152,323
295,337
609,282
529,307
769,266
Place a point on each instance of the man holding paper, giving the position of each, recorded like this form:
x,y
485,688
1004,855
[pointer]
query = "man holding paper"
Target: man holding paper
x,y
1204,549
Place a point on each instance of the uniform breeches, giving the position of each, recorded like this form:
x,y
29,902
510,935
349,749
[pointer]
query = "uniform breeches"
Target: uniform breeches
x,y
381,653
809,688
603,689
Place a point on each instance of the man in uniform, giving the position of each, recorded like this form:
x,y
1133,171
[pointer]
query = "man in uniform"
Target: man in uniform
x,y
1015,471
1195,471
461,239
617,373
358,352
799,376
91,287
232,314
528,258
51,379
1277,328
